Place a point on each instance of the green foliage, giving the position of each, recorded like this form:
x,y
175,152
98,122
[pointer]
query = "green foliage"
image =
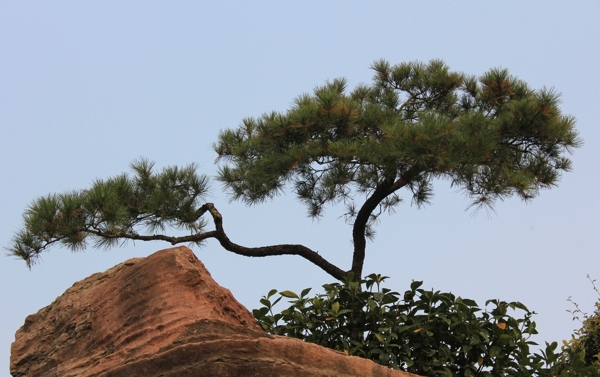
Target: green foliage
x,y
423,331
114,210
491,136
581,354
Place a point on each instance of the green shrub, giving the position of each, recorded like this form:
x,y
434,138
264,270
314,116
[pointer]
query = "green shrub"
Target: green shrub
x,y
424,332
581,354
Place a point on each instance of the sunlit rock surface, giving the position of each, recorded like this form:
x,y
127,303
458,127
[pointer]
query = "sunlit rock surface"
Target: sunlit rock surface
x,y
164,315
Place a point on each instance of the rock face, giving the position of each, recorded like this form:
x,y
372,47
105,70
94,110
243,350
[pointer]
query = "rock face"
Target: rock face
x,y
164,316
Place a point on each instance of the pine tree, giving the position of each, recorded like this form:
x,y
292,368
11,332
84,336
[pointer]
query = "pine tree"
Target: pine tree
x,y
492,137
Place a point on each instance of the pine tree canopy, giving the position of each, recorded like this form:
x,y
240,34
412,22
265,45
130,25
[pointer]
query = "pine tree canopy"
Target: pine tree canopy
x,y
491,136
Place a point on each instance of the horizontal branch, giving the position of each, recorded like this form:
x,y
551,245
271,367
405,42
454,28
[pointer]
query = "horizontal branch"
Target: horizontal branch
x,y
156,237
220,235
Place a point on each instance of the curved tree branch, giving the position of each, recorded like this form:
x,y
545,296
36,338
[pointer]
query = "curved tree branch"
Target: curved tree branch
x,y
263,251
220,235
385,189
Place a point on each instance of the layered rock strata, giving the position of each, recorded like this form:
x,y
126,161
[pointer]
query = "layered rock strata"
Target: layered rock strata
x,y
164,316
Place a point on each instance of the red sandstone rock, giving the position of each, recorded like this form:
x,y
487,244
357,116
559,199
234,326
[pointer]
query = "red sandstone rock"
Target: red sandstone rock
x,y
164,316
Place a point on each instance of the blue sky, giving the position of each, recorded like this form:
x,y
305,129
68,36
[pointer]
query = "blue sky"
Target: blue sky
x,y
87,87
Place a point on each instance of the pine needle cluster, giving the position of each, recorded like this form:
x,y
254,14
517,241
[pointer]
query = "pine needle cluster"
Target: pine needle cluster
x,y
115,210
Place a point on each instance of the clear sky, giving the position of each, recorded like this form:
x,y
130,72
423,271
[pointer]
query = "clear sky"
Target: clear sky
x,y
87,87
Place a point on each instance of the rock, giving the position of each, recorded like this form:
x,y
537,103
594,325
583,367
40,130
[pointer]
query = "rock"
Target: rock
x,y
164,316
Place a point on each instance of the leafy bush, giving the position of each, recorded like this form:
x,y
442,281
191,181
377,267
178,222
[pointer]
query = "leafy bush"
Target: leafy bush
x,y
423,331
